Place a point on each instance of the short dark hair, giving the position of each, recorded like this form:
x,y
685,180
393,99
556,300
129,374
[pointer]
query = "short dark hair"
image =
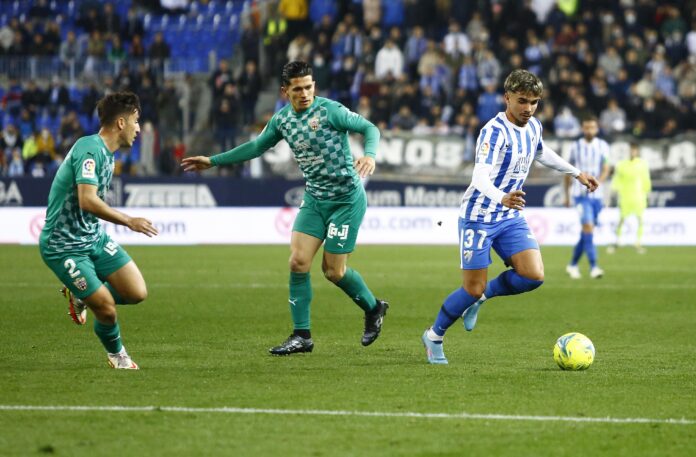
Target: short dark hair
x,y
524,82
589,118
117,104
294,69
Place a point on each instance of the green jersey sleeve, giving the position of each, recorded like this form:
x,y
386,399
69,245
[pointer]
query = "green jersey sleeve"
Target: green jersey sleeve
x,y
343,119
85,166
268,138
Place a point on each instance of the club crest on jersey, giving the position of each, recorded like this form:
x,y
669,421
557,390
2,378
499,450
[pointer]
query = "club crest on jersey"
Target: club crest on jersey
x,y
88,167
80,283
467,254
314,123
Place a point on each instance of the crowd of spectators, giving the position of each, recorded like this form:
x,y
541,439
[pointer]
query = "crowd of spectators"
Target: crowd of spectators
x,y
438,67
422,66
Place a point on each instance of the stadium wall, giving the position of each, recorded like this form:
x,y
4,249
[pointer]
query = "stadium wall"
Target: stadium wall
x,y
382,225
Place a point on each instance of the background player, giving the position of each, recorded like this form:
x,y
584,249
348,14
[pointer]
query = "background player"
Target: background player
x,y
591,155
96,271
334,201
490,212
632,184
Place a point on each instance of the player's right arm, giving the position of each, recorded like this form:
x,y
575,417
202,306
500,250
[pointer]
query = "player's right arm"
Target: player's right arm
x,y
247,151
85,167
488,146
89,201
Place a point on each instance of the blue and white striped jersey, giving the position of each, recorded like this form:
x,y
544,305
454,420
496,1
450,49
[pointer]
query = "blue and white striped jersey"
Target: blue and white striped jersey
x,y
510,150
589,157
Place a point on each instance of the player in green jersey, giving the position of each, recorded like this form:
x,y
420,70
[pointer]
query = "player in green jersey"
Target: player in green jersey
x,y
632,184
96,272
334,201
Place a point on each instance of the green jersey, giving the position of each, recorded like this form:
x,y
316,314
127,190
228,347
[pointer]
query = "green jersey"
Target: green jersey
x,y
318,138
67,227
632,180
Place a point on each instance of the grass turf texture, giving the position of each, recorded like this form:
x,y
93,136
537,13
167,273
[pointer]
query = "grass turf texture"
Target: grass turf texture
x,y
202,336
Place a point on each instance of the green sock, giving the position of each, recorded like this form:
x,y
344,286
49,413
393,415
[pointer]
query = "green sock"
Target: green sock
x,y
110,336
117,297
354,286
300,299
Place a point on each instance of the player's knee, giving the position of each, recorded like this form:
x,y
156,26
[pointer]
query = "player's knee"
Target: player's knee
x,y
137,295
104,312
299,264
475,289
333,274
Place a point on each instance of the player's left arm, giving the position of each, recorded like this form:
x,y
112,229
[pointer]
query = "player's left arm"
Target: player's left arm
x,y
548,157
346,120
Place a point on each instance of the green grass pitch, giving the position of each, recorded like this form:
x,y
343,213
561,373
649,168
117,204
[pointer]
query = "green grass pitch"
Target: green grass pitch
x,y
201,339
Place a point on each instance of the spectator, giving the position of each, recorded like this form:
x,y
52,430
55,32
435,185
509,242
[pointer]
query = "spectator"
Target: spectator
x,y
250,87
403,119
70,50
416,45
389,63
566,125
168,110
300,48
490,103
15,168
221,76
372,13
58,97
295,13
117,53
456,43
612,120
111,20
159,49
488,70
132,25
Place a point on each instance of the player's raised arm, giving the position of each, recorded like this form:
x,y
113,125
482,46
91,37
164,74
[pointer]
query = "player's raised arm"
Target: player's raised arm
x,y
247,151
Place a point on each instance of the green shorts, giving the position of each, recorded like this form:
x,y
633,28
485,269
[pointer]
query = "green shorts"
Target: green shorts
x,y
632,208
84,272
335,221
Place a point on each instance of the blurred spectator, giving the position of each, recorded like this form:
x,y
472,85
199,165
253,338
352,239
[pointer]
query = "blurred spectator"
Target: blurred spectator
x,y
488,69
69,131
456,43
295,12
58,97
168,110
159,49
137,49
112,21
613,119
70,50
389,62
416,45
117,53
15,167
132,25
9,140
490,103
221,76
33,98
565,124
249,42
148,140
250,87
300,48
226,117
403,119
372,12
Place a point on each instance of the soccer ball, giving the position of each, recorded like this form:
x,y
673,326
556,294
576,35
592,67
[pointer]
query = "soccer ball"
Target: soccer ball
x,y
573,351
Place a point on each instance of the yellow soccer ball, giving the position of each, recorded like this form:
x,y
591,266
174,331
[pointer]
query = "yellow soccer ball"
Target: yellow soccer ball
x,y
574,351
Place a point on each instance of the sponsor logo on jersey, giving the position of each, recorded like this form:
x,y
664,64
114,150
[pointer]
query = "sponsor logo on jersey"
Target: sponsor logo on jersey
x,y
88,167
314,123
80,283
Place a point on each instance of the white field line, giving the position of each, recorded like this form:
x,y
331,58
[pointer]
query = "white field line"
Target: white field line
x,y
319,412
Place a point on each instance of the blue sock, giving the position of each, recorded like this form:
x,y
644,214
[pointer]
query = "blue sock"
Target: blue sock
x,y
577,251
453,308
510,283
588,241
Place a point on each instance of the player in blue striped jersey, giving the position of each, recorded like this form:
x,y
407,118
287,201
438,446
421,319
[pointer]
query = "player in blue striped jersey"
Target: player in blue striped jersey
x,y
591,155
490,214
